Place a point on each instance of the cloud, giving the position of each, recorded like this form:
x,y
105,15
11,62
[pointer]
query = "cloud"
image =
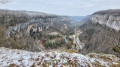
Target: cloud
x,y
63,7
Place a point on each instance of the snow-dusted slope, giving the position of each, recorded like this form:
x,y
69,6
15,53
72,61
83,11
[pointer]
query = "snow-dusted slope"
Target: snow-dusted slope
x,y
20,58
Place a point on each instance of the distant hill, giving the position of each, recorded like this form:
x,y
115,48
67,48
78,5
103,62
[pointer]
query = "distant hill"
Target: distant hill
x,y
77,18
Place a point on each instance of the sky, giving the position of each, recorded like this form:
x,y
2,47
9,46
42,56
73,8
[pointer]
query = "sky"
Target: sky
x,y
62,7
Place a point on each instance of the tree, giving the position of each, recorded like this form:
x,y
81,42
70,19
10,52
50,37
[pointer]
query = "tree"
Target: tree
x,y
4,1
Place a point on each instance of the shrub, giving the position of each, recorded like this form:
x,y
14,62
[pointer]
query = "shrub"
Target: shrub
x,y
90,31
116,48
91,55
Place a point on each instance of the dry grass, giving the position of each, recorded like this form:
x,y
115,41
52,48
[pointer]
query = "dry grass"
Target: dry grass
x,y
13,65
66,50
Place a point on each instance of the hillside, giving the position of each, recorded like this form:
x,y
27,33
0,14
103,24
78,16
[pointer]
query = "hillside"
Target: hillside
x,y
101,34
33,31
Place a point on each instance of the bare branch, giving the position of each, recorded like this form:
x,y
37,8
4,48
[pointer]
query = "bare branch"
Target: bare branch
x,y
4,1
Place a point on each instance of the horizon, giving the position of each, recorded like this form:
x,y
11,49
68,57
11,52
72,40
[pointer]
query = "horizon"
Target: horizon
x,y
60,7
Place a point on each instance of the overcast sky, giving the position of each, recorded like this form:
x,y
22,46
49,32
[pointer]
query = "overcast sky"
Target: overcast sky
x,y
63,7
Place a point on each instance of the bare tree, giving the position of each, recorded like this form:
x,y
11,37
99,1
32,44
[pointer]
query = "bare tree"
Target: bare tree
x,y
4,1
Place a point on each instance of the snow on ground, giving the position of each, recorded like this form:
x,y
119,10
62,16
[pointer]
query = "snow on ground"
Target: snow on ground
x,y
21,58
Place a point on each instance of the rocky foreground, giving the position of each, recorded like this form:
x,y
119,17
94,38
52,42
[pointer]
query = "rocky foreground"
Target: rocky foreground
x,y
21,58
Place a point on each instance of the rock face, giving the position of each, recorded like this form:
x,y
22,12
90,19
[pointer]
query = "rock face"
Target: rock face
x,y
20,58
42,22
110,18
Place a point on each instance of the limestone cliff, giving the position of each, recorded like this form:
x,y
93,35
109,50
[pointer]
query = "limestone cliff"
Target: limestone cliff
x,y
110,18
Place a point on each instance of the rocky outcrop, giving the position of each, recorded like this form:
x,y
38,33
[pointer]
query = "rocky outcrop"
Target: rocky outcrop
x,y
20,58
110,18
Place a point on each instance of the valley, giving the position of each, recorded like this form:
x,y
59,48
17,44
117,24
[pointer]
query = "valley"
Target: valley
x,y
95,38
